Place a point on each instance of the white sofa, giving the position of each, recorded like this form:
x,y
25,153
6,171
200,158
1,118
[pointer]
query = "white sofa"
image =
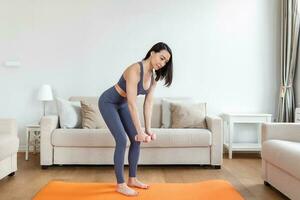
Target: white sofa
x,y
281,157
96,146
9,145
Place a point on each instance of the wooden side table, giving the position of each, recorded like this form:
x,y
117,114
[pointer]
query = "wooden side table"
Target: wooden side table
x,y
230,120
32,138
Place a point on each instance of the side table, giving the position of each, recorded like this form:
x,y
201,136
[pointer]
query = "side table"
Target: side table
x,y
32,138
297,115
230,119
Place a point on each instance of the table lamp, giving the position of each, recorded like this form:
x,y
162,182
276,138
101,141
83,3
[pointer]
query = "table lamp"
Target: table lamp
x,y
45,94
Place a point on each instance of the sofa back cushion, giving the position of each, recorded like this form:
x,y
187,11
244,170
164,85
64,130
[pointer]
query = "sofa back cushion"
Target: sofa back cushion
x,y
156,109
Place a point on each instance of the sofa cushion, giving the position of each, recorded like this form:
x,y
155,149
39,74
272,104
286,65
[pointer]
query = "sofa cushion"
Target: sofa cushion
x,y
103,138
156,111
9,145
180,137
283,154
82,138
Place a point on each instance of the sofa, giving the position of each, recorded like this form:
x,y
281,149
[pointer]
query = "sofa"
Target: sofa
x,y
96,146
9,145
281,157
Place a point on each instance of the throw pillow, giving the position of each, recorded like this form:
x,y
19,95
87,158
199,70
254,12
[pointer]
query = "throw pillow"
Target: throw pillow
x,y
69,113
188,115
91,117
166,112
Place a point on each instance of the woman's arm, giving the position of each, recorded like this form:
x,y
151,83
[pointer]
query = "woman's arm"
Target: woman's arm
x,y
132,79
148,103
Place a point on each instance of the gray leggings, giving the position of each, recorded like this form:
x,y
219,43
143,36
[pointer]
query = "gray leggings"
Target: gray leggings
x,y
114,110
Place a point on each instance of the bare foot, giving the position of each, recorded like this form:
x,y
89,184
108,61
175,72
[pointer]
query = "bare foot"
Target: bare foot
x,y
133,182
124,189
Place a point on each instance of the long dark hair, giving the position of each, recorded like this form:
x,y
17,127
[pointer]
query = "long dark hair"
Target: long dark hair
x,y
166,72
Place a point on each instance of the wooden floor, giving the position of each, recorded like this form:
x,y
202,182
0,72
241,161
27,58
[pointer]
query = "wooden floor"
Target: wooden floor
x,y
243,172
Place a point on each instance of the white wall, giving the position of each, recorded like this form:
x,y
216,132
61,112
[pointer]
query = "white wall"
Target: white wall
x,y
225,52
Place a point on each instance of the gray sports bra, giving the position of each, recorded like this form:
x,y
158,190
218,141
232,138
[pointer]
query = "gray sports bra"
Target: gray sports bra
x,y
140,88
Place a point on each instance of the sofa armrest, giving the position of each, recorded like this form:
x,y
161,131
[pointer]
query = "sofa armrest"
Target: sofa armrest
x,y
48,125
8,126
280,131
215,125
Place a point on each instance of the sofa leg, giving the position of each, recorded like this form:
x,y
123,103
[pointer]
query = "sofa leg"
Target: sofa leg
x,y
266,183
216,166
44,166
12,174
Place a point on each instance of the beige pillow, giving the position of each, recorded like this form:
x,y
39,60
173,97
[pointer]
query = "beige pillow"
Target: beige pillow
x,y
91,117
188,115
166,112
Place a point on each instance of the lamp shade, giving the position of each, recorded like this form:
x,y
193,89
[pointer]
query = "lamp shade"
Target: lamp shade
x,y
45,93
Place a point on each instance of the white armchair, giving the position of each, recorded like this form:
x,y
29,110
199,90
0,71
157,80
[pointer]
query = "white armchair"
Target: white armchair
x,y
281,157
9,144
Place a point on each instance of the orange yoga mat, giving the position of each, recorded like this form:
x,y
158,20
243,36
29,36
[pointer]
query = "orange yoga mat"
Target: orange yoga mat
x,y
210,190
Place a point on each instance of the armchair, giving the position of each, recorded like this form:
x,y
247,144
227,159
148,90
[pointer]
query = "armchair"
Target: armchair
x,y
9,144
281,157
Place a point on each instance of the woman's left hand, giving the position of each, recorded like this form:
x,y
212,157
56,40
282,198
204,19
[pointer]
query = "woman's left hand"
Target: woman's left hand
x,y
151,134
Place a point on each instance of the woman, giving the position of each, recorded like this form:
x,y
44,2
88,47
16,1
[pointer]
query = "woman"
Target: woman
x,y
119,110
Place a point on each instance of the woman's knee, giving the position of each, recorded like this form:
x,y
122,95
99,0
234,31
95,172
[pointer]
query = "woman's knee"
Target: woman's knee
x,y
121,142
